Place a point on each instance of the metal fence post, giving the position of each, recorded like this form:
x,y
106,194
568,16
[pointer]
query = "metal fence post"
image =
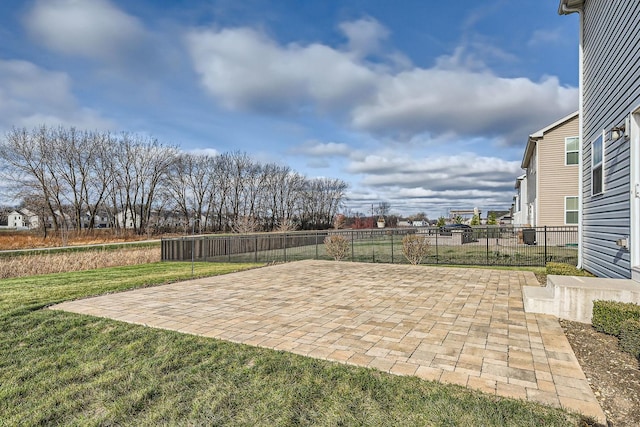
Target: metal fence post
x,y
487,236
392,247
545,246
285,247
373,248
255,257
316,244
437,257
352,256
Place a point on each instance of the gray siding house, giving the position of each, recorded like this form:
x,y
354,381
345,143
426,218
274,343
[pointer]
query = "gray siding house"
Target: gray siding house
x,y
610,135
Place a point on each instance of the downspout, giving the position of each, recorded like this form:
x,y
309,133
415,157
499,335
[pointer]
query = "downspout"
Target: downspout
x,y
581,145
563,9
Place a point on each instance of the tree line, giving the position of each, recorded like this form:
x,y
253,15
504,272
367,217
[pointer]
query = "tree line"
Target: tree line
x,y
70,177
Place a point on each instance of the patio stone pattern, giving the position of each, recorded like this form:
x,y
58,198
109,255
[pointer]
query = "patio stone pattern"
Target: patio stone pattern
x,y
454,325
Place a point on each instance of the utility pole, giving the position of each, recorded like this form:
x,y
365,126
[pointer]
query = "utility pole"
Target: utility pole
x,y
373,219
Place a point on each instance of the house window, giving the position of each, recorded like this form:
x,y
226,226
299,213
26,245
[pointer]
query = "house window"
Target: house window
x,y
571,210
571,150
597,166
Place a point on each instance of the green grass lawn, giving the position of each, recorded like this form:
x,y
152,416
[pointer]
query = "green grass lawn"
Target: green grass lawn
x,y
60,368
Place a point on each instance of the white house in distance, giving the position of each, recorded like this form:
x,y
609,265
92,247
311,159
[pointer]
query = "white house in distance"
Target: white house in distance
x,y
547,194
609,73
520,207
127,219
22,219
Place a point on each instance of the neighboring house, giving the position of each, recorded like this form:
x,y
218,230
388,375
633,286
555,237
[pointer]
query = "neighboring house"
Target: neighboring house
x,y
520,211
548,193
22,218
128,219
505,219
100,220
465,214
610,135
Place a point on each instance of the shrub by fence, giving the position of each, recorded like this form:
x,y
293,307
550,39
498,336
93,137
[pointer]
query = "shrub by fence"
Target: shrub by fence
x,y
477,246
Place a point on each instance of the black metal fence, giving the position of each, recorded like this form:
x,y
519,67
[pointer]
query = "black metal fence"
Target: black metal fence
x,y
487,245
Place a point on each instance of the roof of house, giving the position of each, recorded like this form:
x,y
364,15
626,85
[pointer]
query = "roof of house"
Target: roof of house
x,y
534,137
569,6
520,179
23,212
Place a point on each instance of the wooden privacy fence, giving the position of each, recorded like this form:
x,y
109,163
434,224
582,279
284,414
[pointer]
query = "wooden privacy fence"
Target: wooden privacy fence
x,y
486,245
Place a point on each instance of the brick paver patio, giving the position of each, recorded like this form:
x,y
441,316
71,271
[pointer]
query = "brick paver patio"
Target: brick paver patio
x,y
453,325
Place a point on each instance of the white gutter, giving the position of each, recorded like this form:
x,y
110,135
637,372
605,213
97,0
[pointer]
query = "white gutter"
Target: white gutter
x,y
565,9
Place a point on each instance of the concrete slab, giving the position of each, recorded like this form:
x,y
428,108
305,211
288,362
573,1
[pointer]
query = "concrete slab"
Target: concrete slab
x,y
456,325
571,298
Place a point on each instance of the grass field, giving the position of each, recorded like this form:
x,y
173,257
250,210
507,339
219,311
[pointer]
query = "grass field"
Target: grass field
x,y
59,368
20,264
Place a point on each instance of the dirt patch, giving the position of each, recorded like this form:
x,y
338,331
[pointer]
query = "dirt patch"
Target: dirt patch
x,y
613,374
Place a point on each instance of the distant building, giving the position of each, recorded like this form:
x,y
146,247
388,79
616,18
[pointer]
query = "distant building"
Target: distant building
x,y
547,194
521,214
465,214
22,219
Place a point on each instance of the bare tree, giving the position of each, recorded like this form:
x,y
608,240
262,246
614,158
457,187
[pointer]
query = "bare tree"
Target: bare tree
x,y
140,166
38,206
4,214
73,175
26,156
284,189
219,191
384,208
245,224
323,198
189,184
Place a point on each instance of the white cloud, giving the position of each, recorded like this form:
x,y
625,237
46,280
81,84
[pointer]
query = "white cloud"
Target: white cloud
x,y
323,149
31,96
459,96
364,35
468,103
466,170
546,36
247,70
434,183
89,28
204,151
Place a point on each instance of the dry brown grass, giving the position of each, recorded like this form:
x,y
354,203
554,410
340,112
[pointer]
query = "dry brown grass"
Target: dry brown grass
x,y
11,240
29,265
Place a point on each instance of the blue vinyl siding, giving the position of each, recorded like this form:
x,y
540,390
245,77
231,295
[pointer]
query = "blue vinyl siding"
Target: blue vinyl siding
x,y
611,89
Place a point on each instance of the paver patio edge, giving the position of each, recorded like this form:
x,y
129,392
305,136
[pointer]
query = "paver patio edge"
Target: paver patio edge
x,y
453,325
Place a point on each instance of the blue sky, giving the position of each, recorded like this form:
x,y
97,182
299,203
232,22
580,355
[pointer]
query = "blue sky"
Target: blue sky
x,y
425,105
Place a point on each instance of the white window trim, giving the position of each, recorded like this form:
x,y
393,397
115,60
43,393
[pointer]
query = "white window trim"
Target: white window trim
x,y
601,164
577,151
566,210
